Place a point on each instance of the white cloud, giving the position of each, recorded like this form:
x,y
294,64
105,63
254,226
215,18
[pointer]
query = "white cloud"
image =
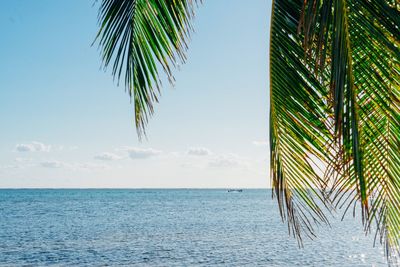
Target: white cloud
x,y
199,151
142,153
53,164
88,166
32,147
225,161
107,156
23,159
10,166
260,143
24,147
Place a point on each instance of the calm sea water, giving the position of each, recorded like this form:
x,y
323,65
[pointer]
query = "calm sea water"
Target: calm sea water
x,y
165,228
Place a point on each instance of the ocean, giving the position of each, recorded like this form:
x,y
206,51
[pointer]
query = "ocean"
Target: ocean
x,y
151,227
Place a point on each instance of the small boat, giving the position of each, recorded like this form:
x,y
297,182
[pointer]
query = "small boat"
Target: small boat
x,y
235,190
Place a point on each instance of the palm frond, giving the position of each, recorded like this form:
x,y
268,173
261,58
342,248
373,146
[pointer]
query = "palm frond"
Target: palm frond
x,y
375,40
137,37
299,128
351,47
362,40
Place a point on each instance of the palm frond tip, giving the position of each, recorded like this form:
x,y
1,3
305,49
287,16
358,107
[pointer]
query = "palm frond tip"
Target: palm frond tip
x,y
137,37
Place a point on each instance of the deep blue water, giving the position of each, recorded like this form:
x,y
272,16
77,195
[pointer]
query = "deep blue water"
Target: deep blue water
x,y
165,228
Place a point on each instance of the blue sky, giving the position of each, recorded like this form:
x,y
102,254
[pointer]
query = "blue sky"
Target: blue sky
x,y
65,122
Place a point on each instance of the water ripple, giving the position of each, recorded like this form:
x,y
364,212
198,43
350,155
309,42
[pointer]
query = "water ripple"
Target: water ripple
x,y
165,228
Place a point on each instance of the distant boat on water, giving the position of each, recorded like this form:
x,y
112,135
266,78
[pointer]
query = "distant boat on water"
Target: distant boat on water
x,y
235,190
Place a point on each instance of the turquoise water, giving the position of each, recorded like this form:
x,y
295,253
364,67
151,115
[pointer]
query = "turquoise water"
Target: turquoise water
x,y
165,228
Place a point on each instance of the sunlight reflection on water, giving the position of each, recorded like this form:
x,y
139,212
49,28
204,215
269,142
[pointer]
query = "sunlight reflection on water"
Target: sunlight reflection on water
x,y
166,228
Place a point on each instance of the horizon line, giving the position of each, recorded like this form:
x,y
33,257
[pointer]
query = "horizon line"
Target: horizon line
x,y
133,188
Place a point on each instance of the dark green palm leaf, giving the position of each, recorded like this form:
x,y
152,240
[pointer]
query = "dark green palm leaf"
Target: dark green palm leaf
x,y
299,125
139,36
352,48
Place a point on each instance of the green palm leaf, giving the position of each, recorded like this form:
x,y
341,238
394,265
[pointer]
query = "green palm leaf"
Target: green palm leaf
x,y
139,36
298,125
375,43
352,48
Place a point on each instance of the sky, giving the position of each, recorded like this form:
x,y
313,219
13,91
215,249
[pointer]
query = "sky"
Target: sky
x,y
65,123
